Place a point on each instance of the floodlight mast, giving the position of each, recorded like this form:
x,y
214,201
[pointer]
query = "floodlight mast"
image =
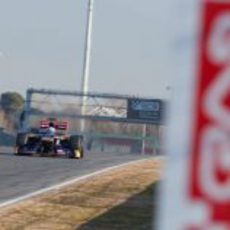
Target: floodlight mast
x,y
87,57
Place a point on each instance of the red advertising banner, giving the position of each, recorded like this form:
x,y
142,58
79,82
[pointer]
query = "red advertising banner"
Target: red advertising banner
x,y
210,156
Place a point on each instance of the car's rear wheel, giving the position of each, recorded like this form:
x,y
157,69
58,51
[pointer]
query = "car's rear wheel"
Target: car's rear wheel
x,y
19,150
21,140
78,153
76,148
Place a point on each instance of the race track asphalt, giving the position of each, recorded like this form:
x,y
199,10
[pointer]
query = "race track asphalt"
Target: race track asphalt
x,y
20,175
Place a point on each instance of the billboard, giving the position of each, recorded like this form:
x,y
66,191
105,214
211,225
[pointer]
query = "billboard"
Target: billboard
x,y
145,110
196,194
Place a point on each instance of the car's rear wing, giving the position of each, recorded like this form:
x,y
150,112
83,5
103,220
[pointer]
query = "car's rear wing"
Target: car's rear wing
x,y
59,125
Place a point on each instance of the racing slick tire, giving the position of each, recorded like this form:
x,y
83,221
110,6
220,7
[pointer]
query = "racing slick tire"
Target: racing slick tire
x,y
77,154
18,150
77,151
21,140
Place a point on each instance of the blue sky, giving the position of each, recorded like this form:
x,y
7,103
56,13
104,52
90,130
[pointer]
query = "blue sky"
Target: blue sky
x,y
41,46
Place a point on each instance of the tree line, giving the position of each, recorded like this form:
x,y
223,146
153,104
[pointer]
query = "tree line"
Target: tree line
x,y
11,105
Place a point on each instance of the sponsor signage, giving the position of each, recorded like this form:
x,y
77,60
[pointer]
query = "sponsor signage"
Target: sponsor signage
x,y
149,110
200,199
210,151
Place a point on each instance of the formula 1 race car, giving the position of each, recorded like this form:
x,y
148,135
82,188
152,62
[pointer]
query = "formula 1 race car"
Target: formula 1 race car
x,y
40,142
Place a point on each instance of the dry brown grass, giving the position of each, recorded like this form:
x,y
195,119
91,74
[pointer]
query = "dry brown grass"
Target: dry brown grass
x,y
76,205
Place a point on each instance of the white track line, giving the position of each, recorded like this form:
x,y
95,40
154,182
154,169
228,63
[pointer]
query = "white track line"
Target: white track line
x,y
69,182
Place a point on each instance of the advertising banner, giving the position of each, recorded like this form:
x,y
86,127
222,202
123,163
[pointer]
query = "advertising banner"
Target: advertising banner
x,y
145,110
196,190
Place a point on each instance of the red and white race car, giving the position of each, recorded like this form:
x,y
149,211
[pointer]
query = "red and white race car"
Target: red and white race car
x,y
42,142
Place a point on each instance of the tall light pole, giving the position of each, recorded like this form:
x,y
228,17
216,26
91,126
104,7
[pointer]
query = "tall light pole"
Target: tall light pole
x,y
87,57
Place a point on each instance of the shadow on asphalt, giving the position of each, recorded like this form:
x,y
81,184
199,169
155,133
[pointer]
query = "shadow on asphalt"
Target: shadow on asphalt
x,y
137,213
